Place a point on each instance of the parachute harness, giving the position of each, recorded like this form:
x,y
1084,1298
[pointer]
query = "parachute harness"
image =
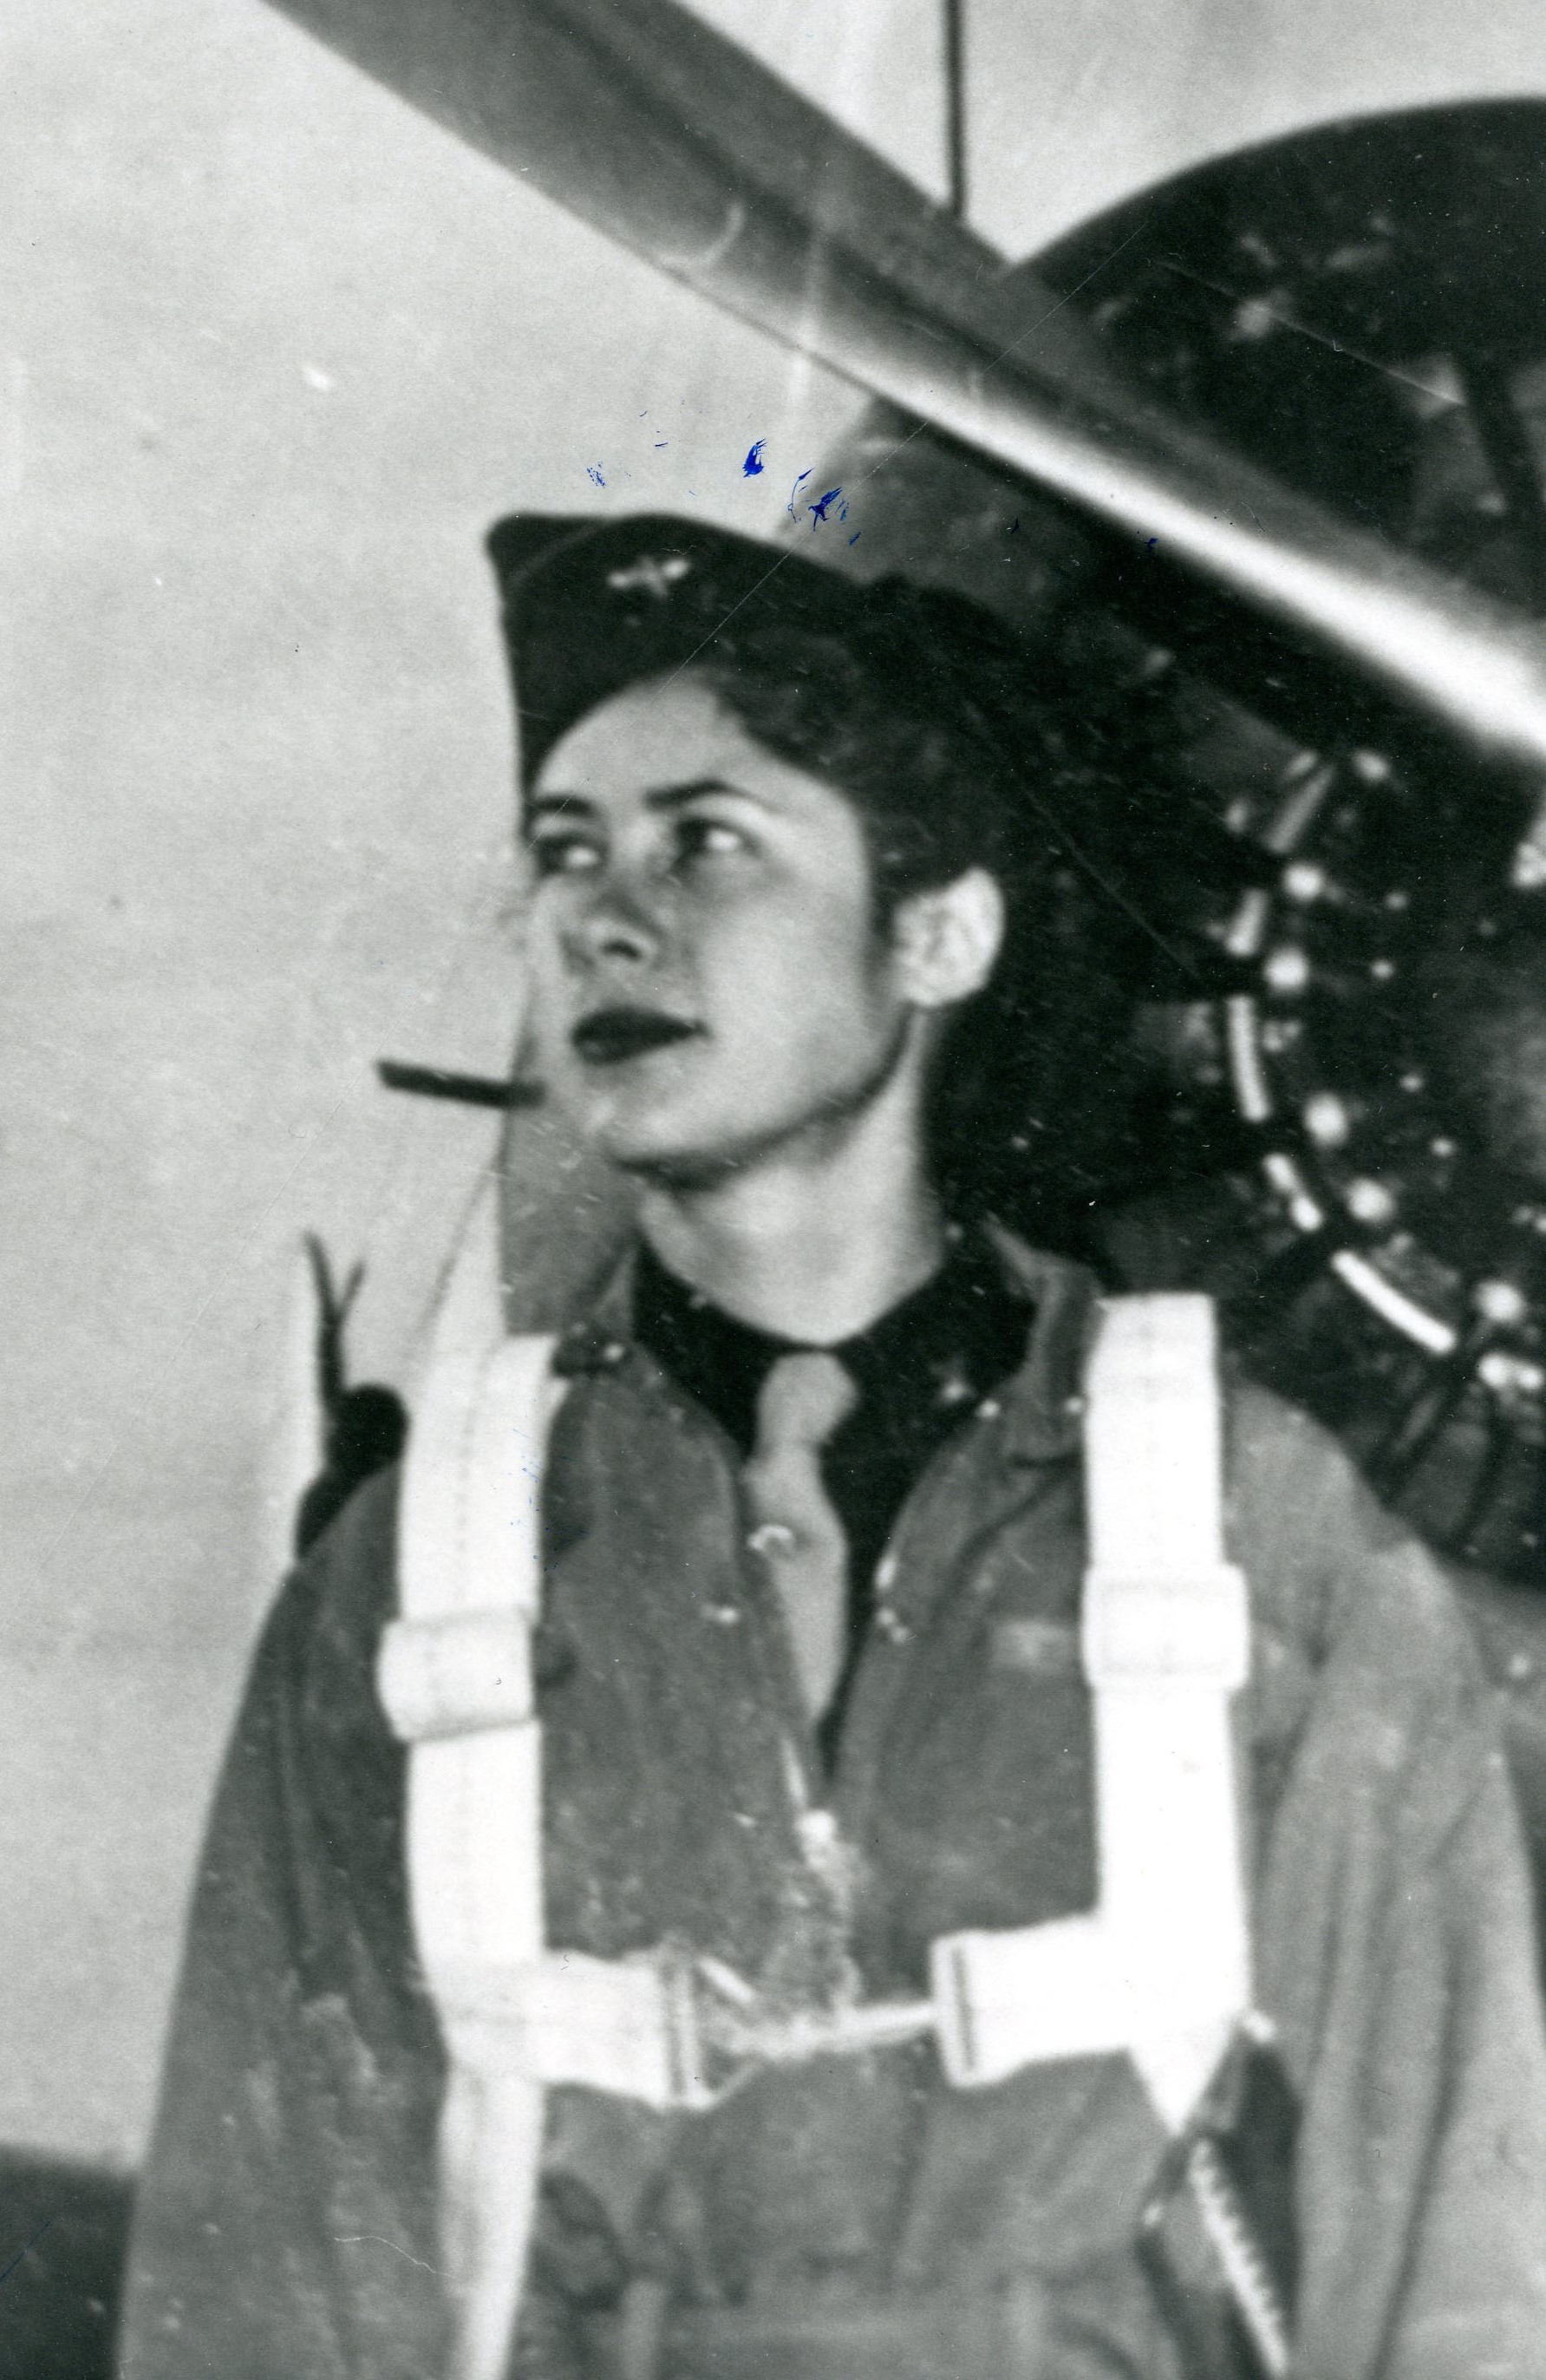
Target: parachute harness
x,y
1159,1968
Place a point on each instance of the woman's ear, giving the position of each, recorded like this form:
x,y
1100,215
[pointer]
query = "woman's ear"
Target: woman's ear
x,y
946,943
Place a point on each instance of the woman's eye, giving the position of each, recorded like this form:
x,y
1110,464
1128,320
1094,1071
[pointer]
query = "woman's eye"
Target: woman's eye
x,y
708,838
563,854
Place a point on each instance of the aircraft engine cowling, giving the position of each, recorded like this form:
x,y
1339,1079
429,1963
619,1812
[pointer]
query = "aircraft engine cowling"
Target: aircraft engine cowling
x,y
1341,1086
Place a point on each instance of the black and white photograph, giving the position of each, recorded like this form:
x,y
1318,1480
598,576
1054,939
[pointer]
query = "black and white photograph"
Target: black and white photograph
x,y
773,1190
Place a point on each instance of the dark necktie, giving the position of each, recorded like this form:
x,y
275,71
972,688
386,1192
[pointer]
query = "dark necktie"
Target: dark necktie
x,y
803,1400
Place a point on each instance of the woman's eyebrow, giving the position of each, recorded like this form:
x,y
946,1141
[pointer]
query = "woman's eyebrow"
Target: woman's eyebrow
x,y
668,797
542,806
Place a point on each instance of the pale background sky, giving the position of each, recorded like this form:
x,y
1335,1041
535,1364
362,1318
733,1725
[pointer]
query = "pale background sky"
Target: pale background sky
x,y
273,351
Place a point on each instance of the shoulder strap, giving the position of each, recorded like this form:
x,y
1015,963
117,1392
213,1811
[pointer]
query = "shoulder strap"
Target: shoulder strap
x,y
454,1677
1161,1968
1166,1633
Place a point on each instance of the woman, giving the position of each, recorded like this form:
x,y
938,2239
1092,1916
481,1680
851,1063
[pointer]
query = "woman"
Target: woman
x,y
808,1665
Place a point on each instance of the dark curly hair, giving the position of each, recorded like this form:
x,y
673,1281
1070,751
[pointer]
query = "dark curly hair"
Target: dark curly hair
x,y
958,749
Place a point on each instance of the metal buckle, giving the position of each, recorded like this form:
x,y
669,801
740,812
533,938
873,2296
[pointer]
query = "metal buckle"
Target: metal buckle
x,y
739,2032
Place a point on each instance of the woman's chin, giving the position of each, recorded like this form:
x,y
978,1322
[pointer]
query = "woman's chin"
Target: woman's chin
x,y
638,1138
679,1159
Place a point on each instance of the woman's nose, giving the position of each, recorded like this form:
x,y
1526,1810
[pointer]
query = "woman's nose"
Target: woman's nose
x,y
616,921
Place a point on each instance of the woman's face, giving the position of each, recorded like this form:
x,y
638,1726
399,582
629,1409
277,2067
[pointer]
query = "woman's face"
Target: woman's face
x,y
709,980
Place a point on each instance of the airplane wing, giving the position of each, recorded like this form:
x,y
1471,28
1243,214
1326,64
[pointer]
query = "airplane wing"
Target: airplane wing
x,y
667,137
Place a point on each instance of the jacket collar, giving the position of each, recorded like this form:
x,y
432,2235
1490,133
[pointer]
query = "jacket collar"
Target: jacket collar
x,y
1041,1405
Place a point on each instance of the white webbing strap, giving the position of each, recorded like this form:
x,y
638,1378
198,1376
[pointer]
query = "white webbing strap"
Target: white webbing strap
x,y
454,1677
1162,1967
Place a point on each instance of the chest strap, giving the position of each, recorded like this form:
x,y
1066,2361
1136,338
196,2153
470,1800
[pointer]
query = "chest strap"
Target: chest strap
x,y
1160,1969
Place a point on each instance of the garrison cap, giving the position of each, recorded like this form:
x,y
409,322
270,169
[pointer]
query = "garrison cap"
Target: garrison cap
x,y
591,607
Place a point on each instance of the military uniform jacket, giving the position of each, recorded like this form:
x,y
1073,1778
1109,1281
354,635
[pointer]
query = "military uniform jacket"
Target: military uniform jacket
x,y
286,2222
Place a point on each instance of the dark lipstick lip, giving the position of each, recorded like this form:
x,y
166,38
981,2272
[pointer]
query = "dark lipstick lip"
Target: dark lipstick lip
x,y
611,1035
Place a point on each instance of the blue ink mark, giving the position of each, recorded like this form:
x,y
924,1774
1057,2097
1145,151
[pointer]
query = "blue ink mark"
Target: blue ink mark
x,y
855,538
661,442
1153,542
593,471
818,511
753,462
794,491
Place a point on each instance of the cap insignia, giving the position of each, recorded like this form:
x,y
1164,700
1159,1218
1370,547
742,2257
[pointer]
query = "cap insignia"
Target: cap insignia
x,y
658,573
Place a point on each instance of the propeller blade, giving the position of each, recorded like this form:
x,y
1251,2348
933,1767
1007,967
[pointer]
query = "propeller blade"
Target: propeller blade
x,y
672,140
